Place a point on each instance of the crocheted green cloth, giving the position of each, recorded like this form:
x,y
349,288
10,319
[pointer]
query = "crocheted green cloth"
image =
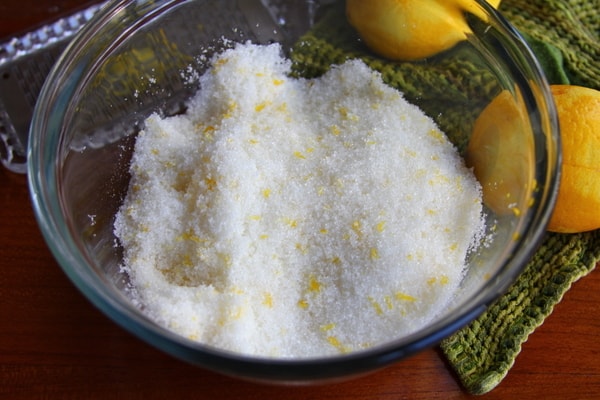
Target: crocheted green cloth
x,y
564,35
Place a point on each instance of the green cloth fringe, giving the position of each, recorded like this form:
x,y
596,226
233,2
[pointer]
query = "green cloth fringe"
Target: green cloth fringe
x,y
564,35
483,352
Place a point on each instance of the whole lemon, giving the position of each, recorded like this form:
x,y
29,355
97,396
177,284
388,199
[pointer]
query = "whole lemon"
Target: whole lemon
x,y
578,204
411,29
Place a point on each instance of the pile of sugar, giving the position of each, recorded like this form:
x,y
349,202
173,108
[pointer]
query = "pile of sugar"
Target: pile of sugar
x,y
295,218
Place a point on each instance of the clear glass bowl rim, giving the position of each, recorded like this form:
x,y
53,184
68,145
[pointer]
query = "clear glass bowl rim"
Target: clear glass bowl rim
x,y
42,174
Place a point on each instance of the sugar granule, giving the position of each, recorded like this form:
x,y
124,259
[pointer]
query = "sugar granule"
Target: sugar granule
x,y
293,218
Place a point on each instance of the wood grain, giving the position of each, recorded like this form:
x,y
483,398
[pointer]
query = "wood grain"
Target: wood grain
x,y
55,344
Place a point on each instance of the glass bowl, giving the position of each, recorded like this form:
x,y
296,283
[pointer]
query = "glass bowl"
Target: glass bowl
x,y
139,57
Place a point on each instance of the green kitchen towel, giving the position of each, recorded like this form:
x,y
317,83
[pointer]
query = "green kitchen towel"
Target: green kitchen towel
x,y
564,35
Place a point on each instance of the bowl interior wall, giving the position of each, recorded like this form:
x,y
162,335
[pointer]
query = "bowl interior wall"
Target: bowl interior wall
x,y
149,70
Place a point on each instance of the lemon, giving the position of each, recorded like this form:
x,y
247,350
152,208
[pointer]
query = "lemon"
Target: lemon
x,y
502,155
411,29
500,151
578,204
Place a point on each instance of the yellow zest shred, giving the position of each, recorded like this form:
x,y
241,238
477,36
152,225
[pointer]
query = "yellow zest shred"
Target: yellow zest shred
x,y
268,300
388,302
313,284
327,327
376,306
292,223
404,297
261,106
374,253
211,183
302,304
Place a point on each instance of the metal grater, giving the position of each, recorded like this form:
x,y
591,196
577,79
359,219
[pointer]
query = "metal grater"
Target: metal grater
x,y
24,64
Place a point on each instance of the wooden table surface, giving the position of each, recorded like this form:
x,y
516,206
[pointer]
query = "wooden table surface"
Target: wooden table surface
x,y
55,344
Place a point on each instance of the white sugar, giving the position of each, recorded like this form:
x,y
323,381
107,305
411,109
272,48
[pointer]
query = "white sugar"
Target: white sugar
x,y
296,218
